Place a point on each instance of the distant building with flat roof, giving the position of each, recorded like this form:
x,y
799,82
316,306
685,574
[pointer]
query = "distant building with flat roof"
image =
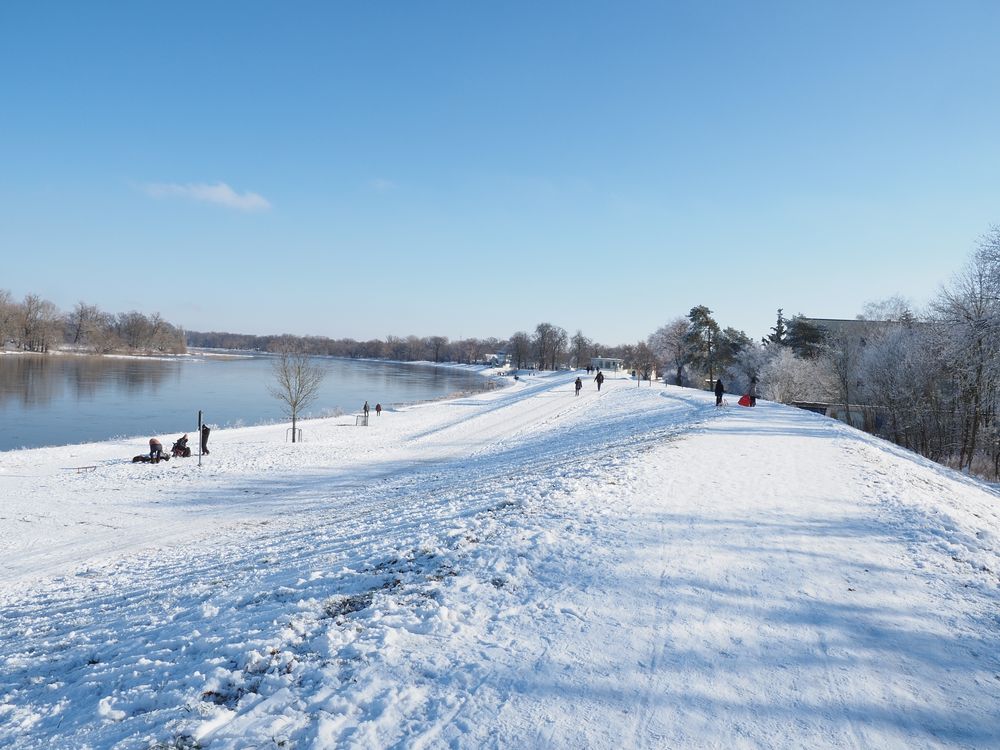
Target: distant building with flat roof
x,y
612,364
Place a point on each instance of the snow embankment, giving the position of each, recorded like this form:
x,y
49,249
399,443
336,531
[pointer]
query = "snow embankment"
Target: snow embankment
x,y
524,568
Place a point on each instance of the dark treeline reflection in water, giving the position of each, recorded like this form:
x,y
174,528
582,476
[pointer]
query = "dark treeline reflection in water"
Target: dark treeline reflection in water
x,y
65,399
38,380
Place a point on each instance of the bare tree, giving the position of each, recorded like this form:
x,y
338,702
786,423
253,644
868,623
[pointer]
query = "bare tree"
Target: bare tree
x,y
520,346
297,382
396,348
580,347
896,309
437,343
550,343
39,323
641,359
8,317
82,323
560,340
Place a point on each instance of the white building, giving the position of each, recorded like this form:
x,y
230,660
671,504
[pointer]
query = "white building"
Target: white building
x,y
609,364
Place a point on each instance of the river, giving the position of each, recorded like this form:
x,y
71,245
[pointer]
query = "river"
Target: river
x,y
65,399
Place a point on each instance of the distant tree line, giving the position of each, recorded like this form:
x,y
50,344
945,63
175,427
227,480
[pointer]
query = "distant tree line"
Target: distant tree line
x,y
37,325
549,347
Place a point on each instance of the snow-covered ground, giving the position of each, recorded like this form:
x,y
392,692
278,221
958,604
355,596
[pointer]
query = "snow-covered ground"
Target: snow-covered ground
x,y
524,568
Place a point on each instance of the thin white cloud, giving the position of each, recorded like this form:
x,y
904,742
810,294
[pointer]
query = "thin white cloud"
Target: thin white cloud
x,y
220,194
381,185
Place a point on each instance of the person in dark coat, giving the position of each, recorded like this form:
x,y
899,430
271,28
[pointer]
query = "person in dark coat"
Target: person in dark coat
x,y
599,379
752,391
204,438
378,410
365,408
578,385
719,390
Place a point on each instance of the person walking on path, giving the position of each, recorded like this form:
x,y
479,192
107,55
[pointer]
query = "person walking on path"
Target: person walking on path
x,y
579,386
599,379
365,408
378,410
719,390
204,438
752,391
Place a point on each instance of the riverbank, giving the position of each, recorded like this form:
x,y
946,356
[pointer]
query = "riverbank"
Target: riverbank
x,y
630,567
70,400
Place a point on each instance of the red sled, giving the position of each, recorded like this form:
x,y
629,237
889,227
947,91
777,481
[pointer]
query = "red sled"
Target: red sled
x,y
744,400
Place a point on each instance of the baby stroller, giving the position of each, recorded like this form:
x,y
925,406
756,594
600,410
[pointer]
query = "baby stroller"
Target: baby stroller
x,y
180,448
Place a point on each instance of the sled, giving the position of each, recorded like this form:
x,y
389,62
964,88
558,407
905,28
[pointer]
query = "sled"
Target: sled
x,y
744,400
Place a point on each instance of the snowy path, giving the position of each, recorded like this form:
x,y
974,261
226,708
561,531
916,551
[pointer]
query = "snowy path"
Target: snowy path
x,y
521,569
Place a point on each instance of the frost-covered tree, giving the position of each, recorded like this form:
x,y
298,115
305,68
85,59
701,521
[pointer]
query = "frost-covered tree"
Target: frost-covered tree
x,y
749,363
786,377
900,376
970,308
842,352
669,344
893,309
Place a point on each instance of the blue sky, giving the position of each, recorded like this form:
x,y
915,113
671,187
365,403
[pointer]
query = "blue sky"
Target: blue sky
x,y
473,169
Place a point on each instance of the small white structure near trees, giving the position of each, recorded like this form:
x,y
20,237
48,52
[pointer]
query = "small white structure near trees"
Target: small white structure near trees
x,y
608,364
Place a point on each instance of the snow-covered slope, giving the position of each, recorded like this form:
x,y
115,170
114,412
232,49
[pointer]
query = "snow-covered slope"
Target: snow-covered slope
x,y
525,568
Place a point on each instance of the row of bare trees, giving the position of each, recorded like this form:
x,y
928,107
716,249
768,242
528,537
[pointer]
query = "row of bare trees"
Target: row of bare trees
x,y
548,347
37,325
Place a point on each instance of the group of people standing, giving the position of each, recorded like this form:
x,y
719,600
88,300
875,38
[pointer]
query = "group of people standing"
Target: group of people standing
x,y
378,409
180,448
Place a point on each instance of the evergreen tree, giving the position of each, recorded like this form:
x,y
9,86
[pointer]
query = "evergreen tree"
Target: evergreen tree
x,y
703,339
778,332
804,337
